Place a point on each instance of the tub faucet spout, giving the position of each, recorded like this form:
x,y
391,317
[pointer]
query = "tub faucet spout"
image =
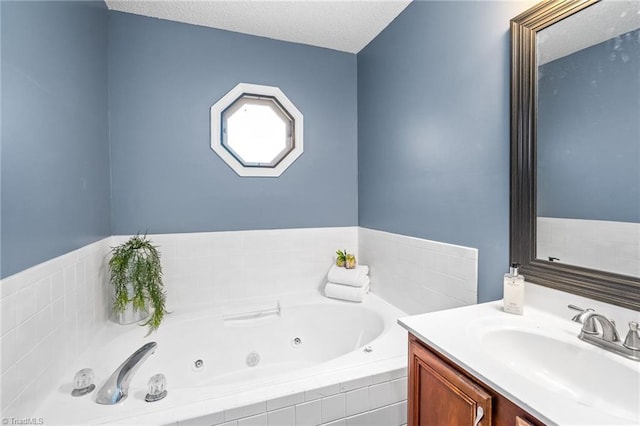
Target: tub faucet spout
x,y
117,386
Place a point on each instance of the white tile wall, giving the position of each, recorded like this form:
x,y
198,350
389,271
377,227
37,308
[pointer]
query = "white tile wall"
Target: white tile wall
x,y
259,420
284,416
418,275
49,313
333,408
357,401
219,267
309,413
555,302
245,411
599,244
285,401
327,406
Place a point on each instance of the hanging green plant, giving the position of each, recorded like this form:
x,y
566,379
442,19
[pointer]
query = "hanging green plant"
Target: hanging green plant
x,y
136,274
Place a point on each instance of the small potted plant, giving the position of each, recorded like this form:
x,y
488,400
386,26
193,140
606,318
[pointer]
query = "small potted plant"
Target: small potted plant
x,y
345,260
350,261
136,275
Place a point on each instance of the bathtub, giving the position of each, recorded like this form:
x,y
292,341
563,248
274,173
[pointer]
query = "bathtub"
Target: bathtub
x,y
224,363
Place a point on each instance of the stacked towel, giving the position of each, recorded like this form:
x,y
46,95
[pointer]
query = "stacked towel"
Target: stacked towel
x,y
346,292
356,277
347,284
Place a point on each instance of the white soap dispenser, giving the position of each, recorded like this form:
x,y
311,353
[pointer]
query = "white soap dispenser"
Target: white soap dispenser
x,y
513,291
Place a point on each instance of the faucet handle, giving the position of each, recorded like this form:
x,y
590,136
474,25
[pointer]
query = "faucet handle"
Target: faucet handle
x,y
632,341
157,388
608,327
83,382
579,318
588,324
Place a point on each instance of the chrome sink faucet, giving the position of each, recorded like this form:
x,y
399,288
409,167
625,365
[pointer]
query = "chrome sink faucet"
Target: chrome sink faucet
x,y
606,336
609,332
116,387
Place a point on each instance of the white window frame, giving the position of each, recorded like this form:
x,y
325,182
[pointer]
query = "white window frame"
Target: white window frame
x,y
217,126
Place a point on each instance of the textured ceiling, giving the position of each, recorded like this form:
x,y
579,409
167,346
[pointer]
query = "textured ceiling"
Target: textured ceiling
x,y
595,24
341,25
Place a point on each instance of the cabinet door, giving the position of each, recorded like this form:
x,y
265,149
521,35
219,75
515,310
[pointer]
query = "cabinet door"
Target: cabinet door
x,y
440,395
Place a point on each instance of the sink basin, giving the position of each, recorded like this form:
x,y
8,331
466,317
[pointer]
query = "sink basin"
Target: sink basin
x,y
568,368
537,361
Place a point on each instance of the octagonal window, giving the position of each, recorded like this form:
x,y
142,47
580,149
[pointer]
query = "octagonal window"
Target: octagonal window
x,y
256,130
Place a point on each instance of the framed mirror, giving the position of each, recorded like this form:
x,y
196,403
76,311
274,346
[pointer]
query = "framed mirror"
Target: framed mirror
x,y
575,148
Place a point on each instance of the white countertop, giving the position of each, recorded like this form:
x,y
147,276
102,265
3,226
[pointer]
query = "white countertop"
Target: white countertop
x,y
462,335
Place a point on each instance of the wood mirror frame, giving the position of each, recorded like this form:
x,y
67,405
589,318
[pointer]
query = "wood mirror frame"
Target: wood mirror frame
x,y
621,290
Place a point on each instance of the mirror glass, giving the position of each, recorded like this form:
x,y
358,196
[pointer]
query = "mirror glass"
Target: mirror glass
x,y
588,139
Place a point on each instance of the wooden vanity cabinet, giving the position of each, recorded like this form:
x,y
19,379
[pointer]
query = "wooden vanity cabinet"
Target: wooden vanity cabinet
x,y
442,393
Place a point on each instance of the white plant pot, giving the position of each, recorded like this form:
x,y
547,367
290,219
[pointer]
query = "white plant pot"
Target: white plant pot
x,y
129,315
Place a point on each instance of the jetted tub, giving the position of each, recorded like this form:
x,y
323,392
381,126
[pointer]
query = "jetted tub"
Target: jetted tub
x,y
221,358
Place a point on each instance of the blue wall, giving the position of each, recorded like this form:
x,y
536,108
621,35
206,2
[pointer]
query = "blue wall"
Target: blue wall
x,y
589,162
163,78
1,141
433,129
421,148
55,153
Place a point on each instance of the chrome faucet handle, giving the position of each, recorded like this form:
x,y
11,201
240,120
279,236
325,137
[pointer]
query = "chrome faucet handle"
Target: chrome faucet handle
x,y
632,341
579,318
609,332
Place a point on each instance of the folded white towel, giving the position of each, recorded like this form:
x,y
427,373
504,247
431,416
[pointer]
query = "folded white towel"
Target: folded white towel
x,y
354,277
346,292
